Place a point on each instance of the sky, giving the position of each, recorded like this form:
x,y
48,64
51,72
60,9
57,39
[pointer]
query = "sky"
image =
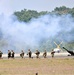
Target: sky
x,y
9,6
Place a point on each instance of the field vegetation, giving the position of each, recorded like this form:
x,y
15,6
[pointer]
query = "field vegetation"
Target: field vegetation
x,y
26,66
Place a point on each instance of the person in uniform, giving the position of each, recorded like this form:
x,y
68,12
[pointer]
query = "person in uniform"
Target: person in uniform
x,y
12,54
52,53
22,54
45,54
37,53
29,53
1,54
9,54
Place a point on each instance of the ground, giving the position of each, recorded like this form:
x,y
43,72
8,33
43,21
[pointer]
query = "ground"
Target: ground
x,y
26,66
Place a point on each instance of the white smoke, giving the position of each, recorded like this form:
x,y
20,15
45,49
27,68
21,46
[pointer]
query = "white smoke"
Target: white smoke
x,y
21,35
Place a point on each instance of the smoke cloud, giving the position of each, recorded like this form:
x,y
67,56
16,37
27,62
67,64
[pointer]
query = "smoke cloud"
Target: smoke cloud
x,y
21,35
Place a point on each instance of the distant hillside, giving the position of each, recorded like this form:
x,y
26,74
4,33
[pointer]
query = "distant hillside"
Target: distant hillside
x,y
26,15
64,10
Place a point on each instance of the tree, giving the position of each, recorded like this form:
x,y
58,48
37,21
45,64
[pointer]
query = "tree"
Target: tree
x,y
26,15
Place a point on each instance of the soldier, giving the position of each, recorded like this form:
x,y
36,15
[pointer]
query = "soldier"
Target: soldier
x,y
9,54
37,53
29,53
12,54
45,54
1,54
52,53
22,54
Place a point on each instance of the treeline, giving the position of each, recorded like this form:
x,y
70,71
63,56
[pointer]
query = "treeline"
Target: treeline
x,y
26,15
64,10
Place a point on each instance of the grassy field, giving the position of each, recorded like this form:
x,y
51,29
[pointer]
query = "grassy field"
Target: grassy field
x,y
48,66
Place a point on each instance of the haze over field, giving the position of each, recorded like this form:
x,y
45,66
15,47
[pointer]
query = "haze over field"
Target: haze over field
x,y
38,33
21,35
